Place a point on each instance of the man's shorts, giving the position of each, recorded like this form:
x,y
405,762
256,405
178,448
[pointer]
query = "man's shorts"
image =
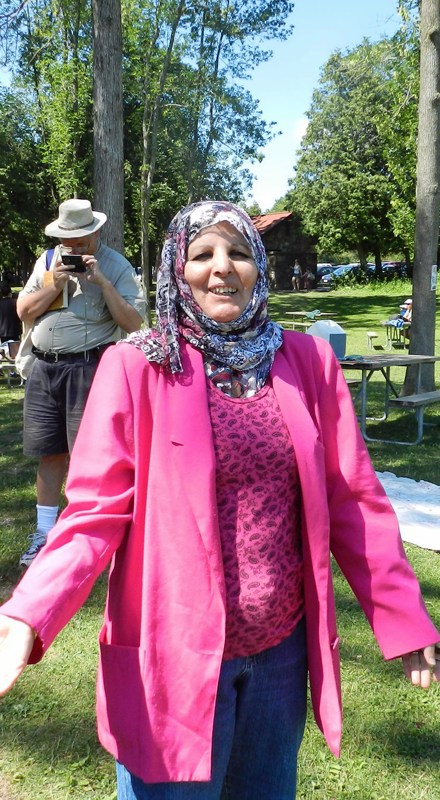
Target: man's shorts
x,y
54,402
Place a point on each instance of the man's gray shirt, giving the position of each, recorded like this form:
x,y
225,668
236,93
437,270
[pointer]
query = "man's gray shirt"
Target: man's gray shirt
x,y
86,322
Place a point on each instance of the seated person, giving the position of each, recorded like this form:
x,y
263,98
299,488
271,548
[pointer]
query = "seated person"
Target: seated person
x,y
406,310
404,316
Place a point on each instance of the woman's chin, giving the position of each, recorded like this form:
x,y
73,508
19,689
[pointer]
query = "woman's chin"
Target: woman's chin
x,y
226,315
223,311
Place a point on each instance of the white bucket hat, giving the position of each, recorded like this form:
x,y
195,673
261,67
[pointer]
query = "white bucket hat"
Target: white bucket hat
x,y
75,219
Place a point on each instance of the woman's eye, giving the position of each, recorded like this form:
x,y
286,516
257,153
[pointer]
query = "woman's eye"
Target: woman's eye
x,y
202,256
240,254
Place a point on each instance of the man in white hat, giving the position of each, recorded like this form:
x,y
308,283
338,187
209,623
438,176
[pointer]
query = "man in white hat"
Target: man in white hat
x,y
76,311
406,312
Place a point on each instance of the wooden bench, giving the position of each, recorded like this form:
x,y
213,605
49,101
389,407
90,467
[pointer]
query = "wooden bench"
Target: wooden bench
x,y
295,325
417,402
370,336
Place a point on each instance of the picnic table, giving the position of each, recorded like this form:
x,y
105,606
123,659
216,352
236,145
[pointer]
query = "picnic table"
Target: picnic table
x,y
396,335
383,363
304,321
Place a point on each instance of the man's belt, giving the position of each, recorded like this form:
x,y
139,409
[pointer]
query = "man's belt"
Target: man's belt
x,y
51,357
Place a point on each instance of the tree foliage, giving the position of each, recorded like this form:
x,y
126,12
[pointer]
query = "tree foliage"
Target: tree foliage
x,y
190,129
23,186
342,179
356,169
54,63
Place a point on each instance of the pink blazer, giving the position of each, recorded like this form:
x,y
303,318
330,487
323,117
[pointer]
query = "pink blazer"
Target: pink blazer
x,y
141,492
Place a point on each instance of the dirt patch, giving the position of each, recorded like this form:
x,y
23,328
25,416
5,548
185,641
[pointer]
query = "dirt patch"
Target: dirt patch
x,y
5,793
5,592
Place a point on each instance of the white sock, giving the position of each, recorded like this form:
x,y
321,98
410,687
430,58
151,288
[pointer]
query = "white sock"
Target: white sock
x,y
46,517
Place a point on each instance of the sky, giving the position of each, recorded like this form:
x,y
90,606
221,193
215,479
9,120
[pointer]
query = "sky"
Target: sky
x,y
284,85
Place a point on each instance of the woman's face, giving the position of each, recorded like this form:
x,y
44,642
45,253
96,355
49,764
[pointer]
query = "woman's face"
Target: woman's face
x,y
220,272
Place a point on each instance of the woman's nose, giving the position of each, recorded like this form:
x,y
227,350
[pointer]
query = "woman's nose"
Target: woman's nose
x,y
222,261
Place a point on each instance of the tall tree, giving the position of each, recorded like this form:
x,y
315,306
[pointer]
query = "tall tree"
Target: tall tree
x,y
225,36
152,106
24,193
49,49
428,188
397,125
108,119
342,182
197,125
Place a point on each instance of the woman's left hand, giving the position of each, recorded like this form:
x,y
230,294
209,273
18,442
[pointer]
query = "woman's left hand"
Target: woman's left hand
x,y
418,664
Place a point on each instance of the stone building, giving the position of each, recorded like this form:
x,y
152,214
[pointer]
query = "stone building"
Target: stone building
x,y
284,241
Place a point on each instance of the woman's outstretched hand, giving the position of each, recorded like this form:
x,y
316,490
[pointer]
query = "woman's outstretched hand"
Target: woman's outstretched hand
x,y
16,643
417,665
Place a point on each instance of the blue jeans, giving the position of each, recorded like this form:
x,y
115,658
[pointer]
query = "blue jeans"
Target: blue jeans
x,y
258,727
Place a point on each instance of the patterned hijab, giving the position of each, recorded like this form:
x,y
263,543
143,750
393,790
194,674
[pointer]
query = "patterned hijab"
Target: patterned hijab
x,y
245,346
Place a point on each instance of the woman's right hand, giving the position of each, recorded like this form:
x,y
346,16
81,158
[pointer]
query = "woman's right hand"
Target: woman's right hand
x,y
16,643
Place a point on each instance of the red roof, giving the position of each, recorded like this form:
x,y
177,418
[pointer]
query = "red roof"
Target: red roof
x,y
264,222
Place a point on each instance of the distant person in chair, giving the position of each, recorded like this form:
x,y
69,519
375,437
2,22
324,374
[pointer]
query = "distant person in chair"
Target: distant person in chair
x,y
404,316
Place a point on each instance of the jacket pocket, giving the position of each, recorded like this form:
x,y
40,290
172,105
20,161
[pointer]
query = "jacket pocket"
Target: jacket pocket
x,y
120,696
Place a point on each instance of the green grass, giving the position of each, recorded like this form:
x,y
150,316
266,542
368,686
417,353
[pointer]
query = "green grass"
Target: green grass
x,y
391,739
358,311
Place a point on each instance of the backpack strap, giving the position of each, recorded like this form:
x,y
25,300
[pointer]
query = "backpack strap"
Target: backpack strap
x,y
49,257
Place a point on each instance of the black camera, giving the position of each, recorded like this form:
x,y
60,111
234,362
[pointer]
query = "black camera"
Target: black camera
x,y
75,262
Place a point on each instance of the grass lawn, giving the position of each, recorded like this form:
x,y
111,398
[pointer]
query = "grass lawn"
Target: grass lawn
x,y
391,741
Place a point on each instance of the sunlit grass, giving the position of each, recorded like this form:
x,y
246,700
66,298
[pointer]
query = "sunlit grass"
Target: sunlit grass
x,y
360,310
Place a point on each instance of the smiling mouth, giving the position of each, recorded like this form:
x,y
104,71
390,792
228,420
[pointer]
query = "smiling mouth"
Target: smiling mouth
x,y
223,290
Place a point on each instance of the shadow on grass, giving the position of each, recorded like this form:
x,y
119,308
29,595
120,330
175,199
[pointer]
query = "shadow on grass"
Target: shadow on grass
x,y
355,307
413,741
58,747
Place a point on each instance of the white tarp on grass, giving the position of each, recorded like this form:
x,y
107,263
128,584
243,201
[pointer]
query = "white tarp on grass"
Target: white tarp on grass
x,y
417,507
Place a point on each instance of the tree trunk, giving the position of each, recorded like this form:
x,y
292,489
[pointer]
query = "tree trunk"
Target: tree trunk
x,y
427,204
197,105
362,255
378,263
408,262
150,129
212,100
108,119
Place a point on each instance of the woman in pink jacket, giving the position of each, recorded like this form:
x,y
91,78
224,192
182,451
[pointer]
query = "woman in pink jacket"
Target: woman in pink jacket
x,y
187,474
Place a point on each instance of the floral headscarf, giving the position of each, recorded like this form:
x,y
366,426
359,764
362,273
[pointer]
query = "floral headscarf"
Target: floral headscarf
x,y
245,345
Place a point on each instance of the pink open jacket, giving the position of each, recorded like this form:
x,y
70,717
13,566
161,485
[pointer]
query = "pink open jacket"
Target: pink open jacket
x,y
141,489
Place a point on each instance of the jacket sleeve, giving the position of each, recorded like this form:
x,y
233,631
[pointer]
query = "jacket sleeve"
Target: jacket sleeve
x,y
364,533
99,489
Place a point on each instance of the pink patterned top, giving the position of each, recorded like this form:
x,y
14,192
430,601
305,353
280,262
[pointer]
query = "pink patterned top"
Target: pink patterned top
x,y
258,494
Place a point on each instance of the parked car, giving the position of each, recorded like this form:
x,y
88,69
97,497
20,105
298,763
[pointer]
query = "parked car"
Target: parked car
x,y
320,266
355,270
338,270
393,269
324,269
